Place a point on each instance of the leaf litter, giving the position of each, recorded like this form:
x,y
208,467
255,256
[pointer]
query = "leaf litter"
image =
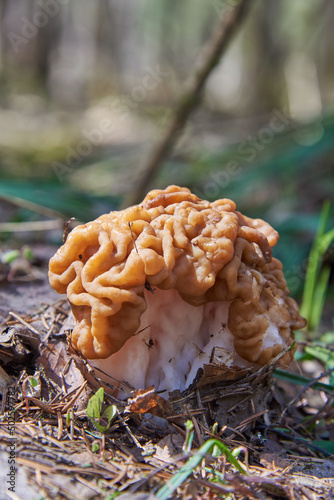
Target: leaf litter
x,y
236,435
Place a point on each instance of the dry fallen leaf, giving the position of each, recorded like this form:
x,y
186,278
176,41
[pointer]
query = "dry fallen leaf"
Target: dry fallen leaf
x,y
214,374
148,401
5,381
168,447
60,367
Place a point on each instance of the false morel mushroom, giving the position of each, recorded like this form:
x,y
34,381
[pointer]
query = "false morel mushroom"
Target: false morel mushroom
x,y
155,288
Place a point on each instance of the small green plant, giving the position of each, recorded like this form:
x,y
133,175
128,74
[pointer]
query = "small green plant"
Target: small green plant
x,y
94,407
316,278
314,295
189,437
95,447
9,256
33,382
315,291
211,445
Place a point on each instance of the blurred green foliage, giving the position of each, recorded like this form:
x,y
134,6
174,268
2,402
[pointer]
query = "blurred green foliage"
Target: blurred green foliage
x,y
284,182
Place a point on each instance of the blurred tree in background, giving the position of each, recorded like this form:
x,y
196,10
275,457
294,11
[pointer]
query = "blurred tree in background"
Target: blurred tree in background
x,y
87,87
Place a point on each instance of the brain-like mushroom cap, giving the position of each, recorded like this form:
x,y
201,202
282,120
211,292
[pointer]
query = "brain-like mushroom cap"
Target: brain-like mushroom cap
x,y
207,252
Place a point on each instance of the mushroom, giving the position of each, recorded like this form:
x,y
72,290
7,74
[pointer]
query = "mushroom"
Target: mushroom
x,y
155,288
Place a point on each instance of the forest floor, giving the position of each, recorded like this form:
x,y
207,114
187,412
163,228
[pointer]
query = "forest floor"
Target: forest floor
x,y
276,430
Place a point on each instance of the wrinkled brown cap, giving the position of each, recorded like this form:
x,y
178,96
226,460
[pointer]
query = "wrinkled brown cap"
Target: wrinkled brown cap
x,y
208,252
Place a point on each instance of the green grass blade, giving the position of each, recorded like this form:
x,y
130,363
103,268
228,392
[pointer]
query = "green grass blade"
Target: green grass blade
x,y
321,243
314,263
323,218
299,380
168,489
319,299
324,446
326,241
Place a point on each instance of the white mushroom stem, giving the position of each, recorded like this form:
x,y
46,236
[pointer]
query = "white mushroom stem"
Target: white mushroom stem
x,y
175,339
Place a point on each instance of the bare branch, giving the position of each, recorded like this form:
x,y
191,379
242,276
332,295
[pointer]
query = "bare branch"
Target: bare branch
x,y
211,55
